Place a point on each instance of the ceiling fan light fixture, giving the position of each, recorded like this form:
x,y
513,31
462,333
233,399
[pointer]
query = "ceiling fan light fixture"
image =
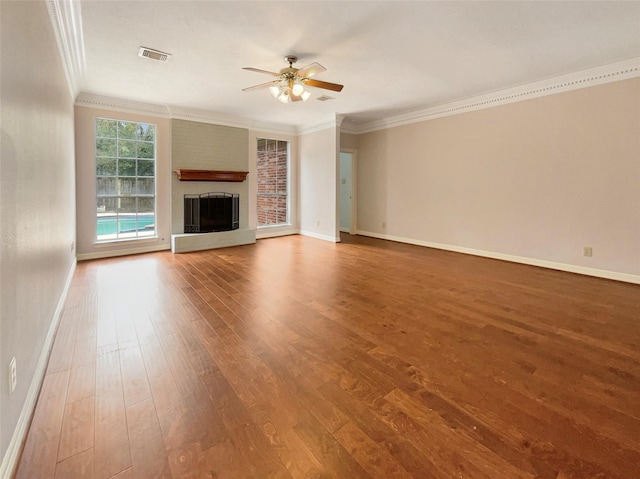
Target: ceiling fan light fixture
x,y
297,89
290,83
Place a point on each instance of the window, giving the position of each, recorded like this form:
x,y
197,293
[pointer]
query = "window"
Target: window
x,y
273,182
125,179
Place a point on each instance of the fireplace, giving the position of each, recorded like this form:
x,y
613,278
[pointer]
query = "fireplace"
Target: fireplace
x,y
209,212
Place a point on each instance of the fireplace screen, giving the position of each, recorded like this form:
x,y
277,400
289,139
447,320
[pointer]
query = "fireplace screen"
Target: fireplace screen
x,y
211,212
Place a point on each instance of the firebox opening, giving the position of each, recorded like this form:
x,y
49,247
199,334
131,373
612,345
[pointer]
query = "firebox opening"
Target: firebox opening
x,y
210,212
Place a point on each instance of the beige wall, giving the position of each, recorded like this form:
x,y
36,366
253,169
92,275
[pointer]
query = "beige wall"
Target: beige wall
x,y
536,179
318,153
349,141
36,207
86,185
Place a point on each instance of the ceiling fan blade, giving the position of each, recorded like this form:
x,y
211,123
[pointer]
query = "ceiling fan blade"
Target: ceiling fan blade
x,y
323,84
262,85
257,70
310,70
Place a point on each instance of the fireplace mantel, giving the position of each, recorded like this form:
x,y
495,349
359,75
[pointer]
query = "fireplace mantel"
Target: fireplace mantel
x,y
210,175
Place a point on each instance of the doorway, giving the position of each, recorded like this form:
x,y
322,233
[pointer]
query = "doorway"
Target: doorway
x,y
347,184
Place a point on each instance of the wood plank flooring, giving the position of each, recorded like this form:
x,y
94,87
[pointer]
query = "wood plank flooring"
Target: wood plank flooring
x,y
299,358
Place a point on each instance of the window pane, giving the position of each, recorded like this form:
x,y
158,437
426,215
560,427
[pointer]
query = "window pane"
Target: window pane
x,y
281,182
126,167
105,147
145,150
146,168
106,227
126,186
126,149
105,128
146,217
127,130
127,205
127,223
107,206
106,221
146,206
281,209
146,132
105,166
146,186
106,186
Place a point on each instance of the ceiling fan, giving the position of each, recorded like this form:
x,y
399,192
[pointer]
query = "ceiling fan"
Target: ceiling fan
x,y
290,82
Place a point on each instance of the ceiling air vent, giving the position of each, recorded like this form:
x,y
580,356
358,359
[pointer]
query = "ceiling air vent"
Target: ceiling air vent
x,y
153,54
325,98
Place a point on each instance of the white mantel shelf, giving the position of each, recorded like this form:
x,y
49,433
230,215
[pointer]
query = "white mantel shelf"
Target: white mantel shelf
x,y
183,243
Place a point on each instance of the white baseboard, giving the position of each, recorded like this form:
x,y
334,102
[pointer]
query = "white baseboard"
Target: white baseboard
x,y
570,268
269,232
333,239
10,459
122,252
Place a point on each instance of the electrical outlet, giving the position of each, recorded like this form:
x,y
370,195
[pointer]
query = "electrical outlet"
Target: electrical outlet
x,y
318,223
384,224
587,251
13,375
73,246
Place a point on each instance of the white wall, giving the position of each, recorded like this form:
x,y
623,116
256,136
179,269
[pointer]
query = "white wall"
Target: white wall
x,y
535,179
318,153
86,185
37,206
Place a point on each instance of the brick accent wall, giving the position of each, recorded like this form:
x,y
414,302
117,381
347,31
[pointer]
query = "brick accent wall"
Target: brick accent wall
x,y
272,181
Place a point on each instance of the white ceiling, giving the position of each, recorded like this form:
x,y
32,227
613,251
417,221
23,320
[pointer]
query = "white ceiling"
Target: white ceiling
x,y
392,56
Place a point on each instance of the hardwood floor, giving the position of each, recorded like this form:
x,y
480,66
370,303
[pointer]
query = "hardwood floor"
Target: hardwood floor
x,y
299,358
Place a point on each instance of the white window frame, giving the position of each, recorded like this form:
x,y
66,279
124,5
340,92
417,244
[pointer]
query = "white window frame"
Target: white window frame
x,y
136,235
288,193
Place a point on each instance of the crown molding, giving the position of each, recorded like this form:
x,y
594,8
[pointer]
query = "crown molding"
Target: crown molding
x,y
332,121
205,116
353,128
66,19
596,76
118,104
91,100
